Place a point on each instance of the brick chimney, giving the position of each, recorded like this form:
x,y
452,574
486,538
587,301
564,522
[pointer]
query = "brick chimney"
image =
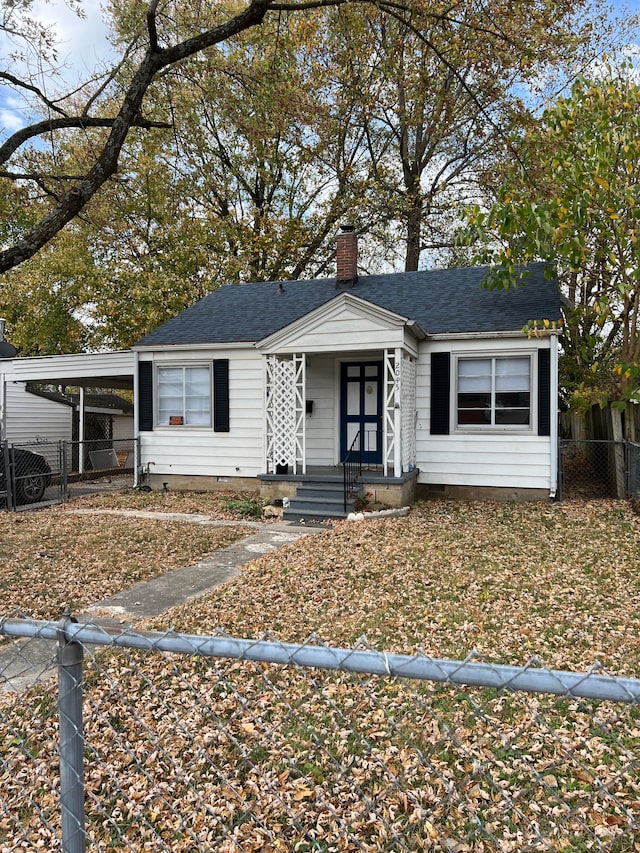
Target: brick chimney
x,y
347,257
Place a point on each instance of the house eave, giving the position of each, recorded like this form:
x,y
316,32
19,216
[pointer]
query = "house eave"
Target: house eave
x,y
512,334
191,347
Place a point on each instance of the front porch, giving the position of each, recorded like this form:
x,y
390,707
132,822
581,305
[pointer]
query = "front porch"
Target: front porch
x,y
318,494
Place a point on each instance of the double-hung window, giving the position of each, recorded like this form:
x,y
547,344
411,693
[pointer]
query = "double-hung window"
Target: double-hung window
x,y
494,392
184,395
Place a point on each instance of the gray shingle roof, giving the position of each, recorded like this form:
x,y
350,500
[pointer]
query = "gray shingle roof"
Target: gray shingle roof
x,y
440,301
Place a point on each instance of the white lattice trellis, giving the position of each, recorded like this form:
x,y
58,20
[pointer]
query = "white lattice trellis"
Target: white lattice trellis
x,y
391,396
285,407
408,409
399,412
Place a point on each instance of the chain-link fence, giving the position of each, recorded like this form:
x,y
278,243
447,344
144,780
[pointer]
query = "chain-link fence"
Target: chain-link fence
x,y
598,469
173,742
55,471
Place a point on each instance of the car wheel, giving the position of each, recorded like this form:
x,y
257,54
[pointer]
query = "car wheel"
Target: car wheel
x,y
30,487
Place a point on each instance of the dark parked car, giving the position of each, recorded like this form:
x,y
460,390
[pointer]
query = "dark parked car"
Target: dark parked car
x,y
32,475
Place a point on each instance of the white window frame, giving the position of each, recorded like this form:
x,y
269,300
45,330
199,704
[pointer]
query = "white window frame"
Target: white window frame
x,y
206,365
493,427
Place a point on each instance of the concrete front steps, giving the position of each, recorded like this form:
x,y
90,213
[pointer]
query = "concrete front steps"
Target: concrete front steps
x,y
318,498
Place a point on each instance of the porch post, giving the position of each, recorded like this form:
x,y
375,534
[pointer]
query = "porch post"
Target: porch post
x,y
300,432
285,412
388,435
397,415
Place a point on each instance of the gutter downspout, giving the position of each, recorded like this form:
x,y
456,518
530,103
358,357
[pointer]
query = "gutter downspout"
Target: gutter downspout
x,y
553,344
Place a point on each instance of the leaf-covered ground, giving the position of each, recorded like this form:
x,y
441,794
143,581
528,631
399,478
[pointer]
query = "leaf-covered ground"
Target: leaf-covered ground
x,y
50,559
511,580
190,754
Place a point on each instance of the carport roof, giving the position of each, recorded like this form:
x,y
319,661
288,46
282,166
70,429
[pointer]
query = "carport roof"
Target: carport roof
x,y
86,370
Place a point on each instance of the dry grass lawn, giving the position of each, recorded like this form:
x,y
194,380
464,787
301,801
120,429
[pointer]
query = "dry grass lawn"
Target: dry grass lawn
x,y
190,754
51,558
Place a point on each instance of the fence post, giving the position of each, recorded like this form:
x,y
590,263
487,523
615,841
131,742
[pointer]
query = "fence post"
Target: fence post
x,y
64,471
71,739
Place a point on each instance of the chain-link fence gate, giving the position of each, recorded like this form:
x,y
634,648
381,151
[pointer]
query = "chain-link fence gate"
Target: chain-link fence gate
x,y
592,469
55,471
181,742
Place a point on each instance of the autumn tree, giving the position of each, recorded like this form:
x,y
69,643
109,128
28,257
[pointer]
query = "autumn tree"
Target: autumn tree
x,y
438,104
167,34
575,202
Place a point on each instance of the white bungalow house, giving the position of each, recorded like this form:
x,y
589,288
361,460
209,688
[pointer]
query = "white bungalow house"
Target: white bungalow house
x,y
424,380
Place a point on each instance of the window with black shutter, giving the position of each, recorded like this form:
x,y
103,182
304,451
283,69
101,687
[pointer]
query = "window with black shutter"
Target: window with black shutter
x,y
221,395
440,392
544,392
145,396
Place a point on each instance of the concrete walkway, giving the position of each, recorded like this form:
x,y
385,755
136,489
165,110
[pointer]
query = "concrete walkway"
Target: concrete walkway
x,y
153,597
25,662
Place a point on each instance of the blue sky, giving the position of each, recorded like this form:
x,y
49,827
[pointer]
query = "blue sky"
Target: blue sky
x,y
83,44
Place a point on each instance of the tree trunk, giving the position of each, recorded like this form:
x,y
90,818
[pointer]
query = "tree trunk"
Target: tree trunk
x,y
414,235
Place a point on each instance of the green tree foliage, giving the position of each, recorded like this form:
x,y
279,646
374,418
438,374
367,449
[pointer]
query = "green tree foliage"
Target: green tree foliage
x,y
253,150
575,202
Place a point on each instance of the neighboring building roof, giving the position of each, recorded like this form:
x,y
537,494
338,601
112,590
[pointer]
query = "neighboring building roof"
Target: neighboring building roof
x,y
50,395
104,401
440,301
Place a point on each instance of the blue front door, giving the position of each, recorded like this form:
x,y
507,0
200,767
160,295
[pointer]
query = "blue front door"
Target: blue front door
x,y
361,411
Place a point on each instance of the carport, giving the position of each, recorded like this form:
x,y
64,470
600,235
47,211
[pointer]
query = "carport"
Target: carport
x,y
107,371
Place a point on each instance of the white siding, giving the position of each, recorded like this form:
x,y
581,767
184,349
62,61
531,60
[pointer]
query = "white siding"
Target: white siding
x,y
30,418
122,426
346,325
348,330
321,424
200,451
508,459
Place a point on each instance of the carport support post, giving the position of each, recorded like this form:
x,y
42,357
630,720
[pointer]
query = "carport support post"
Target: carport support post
x,y
71,740
81,433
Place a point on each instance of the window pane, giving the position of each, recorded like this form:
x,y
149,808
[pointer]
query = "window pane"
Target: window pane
x,y
474,401
370,437
468,417
512,416
519,399
474,374
184,392
371,398
512,374
353,398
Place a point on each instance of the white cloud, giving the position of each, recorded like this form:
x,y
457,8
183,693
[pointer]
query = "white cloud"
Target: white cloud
x,y
82,49
82,42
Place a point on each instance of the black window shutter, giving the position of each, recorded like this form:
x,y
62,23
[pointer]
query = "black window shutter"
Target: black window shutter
x,y
145,396
221,395
440,392
544,392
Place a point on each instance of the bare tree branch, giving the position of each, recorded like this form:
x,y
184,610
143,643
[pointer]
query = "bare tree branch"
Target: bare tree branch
x,y
22,84
81,122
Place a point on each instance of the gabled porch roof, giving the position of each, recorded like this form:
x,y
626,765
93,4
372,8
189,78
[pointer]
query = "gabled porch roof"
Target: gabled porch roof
x,y
344,324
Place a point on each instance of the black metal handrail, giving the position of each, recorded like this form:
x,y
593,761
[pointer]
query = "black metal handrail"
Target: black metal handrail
x,y
351,468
